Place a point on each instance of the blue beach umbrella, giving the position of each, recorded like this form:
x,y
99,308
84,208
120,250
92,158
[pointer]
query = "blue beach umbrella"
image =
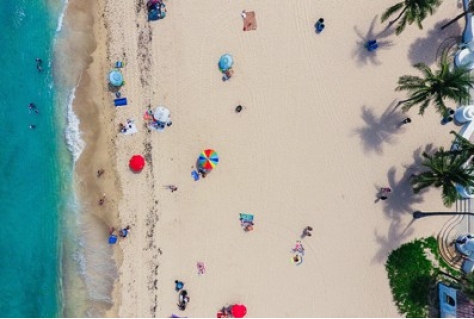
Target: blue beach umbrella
x,y
226,61
116,78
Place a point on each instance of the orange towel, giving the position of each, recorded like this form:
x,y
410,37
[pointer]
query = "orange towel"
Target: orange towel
x,y
250,21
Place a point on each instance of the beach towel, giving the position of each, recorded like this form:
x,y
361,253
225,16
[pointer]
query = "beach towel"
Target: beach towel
x,y
250,21
131,128
246,218
120,102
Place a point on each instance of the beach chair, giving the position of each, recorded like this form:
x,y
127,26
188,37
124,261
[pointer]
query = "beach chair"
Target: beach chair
x,y
246,218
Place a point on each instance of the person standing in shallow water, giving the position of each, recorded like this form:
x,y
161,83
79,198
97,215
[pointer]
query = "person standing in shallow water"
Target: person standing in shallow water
x,y
39,64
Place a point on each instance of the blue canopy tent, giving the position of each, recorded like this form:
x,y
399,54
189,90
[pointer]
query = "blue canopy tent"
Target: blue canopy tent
x,y
225,62
116,78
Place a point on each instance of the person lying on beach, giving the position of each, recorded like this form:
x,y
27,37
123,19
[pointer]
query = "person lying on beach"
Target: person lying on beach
x,y
248,228
122,128
202,172
297,259
183,300
172,188
124,232
227,74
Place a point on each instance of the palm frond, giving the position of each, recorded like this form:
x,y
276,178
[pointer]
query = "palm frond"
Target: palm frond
x,y
390,11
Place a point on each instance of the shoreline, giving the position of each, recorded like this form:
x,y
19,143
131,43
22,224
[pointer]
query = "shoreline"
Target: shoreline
x,y
97,116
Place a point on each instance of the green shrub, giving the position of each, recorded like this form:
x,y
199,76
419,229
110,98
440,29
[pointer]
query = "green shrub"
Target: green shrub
x,y
411,275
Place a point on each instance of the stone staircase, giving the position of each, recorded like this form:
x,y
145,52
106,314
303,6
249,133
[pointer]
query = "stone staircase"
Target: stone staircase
x,y
455,226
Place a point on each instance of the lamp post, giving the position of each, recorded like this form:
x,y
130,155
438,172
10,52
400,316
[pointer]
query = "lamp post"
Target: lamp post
x,y
418,214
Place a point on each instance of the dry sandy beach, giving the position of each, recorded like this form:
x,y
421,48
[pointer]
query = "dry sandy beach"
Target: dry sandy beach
x,y
317,137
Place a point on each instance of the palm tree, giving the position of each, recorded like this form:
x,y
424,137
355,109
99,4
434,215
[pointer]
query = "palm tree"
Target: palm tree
x,y
445,170
411,11
445,83
470,9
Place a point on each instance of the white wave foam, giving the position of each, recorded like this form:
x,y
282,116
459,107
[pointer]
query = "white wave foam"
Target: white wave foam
x,y
19,17
61,16
74,142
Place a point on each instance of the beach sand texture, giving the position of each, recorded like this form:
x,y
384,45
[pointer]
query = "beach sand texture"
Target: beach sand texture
x,y
317,137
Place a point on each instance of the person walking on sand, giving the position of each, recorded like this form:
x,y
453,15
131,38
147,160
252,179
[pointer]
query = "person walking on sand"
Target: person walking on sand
x,y
405,121
384,191
100,172
102,200
307,232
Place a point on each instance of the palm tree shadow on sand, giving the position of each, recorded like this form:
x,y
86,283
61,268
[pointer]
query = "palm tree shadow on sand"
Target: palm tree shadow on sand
x,y
400,203
364,56
430,48
395,236
379,131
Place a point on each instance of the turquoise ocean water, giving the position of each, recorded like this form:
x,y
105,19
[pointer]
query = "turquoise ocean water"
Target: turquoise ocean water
x,y
54,253
35,163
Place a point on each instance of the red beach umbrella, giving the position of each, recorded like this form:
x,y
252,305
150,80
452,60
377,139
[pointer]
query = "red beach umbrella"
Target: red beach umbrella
x,y
238,311
136,163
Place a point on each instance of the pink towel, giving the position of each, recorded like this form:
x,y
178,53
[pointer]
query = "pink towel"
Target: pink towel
x,y
201,268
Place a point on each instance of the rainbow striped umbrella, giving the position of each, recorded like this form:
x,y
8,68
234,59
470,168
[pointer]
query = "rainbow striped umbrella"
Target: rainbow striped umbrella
x,y
208,159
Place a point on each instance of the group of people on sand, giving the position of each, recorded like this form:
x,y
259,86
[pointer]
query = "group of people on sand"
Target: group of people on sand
x,y
123,128
383,193
298,250
123,233
183,297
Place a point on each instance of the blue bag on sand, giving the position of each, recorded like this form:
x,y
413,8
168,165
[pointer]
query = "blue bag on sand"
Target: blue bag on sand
x,y
195,175
120,102
112,239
